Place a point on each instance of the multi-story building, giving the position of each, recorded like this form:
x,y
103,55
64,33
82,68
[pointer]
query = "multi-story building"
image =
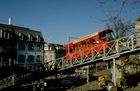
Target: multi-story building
x,y
7,45
21,46
51,53
137,24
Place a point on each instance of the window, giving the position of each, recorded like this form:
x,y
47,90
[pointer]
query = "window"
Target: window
x,y
30,47
10,35
97,40
6,34
84,44
5,61
91,40
107,35
30,58
21,58
38,38
29,37
21,46
0,33
110,36
71,50
21,36
38,47
38,58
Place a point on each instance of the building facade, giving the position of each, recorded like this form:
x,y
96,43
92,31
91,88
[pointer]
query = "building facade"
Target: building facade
x,y
7,46
137,24
51,53
20,46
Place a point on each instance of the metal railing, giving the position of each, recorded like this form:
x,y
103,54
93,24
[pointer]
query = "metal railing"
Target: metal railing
x,y
8,81
115,48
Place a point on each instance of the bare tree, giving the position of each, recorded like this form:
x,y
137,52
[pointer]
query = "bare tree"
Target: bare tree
x,y
123,27
120,27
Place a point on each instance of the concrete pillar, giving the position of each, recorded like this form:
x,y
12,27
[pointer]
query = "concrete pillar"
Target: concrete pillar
x,y
87,74
114,72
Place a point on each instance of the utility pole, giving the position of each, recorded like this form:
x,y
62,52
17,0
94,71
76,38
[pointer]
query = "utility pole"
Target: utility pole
x,y
70,37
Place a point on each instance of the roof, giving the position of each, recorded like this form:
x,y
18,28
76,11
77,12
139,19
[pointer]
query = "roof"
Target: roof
x,y
23,30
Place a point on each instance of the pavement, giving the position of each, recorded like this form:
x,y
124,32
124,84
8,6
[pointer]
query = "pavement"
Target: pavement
x,y
137,88
93,86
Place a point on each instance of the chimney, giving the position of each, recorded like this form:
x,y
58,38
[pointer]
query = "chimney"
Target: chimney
x,y
10,20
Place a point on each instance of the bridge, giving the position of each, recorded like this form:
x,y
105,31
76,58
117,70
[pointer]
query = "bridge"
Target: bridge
x,y
119,47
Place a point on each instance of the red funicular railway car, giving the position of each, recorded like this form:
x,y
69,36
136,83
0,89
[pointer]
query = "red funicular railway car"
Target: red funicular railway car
x,y
86,45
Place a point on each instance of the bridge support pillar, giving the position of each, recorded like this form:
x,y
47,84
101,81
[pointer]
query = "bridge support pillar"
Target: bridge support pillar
x,y
114,72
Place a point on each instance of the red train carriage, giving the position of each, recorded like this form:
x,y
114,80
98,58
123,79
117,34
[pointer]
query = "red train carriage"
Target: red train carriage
x,y
82,47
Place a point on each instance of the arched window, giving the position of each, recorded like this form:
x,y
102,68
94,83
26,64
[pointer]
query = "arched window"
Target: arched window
x,y
1,33
21,58
39,58
21,46
30,47
38,47
30,58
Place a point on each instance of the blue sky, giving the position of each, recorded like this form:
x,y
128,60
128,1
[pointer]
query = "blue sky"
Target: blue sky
x,y
58,19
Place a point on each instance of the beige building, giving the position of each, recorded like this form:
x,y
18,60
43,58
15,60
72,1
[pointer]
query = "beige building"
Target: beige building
x,y
51,53
137,24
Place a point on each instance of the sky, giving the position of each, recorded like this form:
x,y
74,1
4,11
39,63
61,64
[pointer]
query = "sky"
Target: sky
x,y
59,19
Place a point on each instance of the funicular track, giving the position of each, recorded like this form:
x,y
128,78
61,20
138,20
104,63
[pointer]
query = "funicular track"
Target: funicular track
x,y
118,47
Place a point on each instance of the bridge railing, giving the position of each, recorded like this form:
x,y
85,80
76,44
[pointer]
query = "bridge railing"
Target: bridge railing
x,y
116,47
8,81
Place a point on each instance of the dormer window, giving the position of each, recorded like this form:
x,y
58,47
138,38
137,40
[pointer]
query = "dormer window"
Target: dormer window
x,y
6,34
38,38
21,36
0,33
29,37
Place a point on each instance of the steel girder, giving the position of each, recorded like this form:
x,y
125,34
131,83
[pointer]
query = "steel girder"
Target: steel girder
x,y
8,81
116,48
